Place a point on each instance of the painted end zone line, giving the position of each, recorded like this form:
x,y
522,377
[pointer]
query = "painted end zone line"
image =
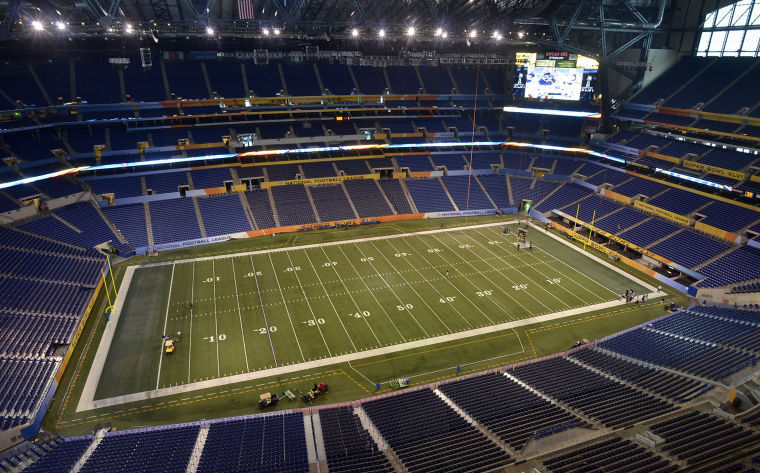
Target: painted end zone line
x,y
87,403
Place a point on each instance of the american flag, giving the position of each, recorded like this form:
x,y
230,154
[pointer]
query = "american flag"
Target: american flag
x,y
246,10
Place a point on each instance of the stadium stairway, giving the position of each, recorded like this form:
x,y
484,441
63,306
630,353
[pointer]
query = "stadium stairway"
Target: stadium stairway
x,y
198,215
99,436
348,198
311,201
195,457
665,237
412,204
448,194
714,258
387,200
509,189
480,427
248,212
272,206
382,444
483,188
148,225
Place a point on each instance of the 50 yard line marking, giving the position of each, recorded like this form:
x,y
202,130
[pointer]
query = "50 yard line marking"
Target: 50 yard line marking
x,y
240,315
166,319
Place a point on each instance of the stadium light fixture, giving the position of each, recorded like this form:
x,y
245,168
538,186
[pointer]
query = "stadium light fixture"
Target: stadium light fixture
x,y
439,32
129,29
276,31
473,34
381,33
266,31
60,26
497,36
410,31
37,25
520,34
355,32
210,31
444,35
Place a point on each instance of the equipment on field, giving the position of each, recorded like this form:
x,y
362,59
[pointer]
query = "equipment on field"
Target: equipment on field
x,y
169,346
267,399
288,394
399,383
315,391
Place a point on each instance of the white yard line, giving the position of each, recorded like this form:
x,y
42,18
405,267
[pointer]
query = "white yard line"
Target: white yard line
x,y
371,265
537,283
306,299
264,313
166,319
240,314
352,298
429,284
216,321
89,403
190,336
577,283
287,311
359,276
329,299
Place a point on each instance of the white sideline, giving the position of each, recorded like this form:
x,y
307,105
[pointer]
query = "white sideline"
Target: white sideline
x,y
87,401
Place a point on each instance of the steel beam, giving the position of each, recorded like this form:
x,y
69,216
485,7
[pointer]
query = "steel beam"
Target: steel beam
x,y
630,43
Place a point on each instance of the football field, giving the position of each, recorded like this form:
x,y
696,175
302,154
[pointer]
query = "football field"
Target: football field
x,y
282,309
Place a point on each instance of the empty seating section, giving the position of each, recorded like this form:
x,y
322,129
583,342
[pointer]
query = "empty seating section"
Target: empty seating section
x,y
293,206
167,182
496,186
618,221
331,203
23,383
696,326
698,358
483,160
429,195
608,176
429,436
728,313
34,335
262,443
283,172
436,79
648,232
565,195
19,85
610,403
728,217
675,387
72,269
318,169
97,82
258,201
679,149
396,195
370,79
367,198
336,78
130,220
715,125
264,79
689,248
643,141
591,208
223,215
513,413
452,162
611,455
226,79
186,79
120,187
695,436
728,159
465,79
144,85
709,83
173,220
416,163
739,265
403,79
527,189
353,166
638,186
466,192
350,448
62,458
59,187
301,80
679,201
208,178
670,81
143,451
566,167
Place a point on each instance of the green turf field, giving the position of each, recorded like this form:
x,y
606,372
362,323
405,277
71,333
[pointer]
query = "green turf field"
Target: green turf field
x,y
286,307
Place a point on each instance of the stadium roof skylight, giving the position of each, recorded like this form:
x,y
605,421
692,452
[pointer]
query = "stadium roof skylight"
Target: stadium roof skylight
x,y
733,30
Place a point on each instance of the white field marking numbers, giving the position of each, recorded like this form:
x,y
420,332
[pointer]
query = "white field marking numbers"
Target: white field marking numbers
x,y
263,330
312,323
329,264
446,300
402,307
484,293
290,269
554,281
434,250
251,275
360,315
401,255
217,279
368,259
465,246
222,337
493,242
520,287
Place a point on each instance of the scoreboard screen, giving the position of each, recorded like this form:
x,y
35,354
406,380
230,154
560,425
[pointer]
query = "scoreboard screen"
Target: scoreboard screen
x,y
562,83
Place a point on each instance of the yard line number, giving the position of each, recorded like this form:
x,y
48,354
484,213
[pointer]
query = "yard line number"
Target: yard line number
x,y
402,307
520,287
221,337
263,330
360,315
446,300
314,322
